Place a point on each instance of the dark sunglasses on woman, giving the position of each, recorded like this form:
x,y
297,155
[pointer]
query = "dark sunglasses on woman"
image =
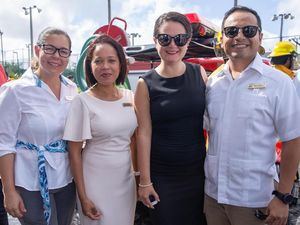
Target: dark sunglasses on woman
x,y
179,39
248,31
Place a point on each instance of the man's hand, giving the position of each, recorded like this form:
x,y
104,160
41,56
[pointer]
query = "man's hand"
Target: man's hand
x,y
277,212
14,204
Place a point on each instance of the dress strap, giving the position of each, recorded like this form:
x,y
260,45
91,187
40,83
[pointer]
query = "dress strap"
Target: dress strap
x,y
55,146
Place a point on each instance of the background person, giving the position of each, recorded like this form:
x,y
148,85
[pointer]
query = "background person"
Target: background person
x,y
249,104
34,165
104,118
170,103
283,57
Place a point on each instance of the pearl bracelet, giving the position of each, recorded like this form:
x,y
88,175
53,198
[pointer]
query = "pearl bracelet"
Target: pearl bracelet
x,y
145,185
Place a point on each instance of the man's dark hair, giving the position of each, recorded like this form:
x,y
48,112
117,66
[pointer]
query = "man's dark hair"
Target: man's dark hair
x,y
244,9
280,60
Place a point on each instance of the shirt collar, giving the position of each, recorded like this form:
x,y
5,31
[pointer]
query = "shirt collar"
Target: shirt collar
x,y
256,64
29,74
63,80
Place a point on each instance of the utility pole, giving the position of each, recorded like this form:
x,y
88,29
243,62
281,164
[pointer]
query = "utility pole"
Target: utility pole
x,y
28,11
109,11
282,16
28,51
134,35
18,64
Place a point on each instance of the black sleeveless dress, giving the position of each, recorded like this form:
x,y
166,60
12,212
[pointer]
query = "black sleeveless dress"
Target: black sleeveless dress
x,y
178,147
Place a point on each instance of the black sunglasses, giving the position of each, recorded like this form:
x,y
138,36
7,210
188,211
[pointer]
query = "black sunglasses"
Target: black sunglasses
x,y
51,50
248,31
179,39
260,215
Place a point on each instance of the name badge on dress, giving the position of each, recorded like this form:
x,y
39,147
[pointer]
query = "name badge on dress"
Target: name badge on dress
x,y
127,104
256,86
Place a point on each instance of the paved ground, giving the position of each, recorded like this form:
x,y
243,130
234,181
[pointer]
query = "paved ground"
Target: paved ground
x,y
294,217
14,221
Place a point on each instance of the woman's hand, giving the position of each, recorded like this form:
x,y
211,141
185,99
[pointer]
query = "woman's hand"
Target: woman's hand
x,y
14,204
145,193
90,210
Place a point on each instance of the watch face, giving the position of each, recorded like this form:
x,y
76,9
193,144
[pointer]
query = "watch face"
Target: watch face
x,y
287,198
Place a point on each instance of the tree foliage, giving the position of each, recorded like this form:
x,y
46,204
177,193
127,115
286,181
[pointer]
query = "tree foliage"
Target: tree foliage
x,y
13,70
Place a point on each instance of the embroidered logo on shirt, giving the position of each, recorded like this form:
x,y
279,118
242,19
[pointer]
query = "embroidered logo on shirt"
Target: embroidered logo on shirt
x,y
256,86
127,104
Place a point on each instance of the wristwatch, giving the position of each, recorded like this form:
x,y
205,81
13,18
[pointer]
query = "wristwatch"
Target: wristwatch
x,y
285,198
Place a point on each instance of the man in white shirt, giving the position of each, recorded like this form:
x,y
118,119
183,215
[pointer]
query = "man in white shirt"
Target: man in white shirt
x,y
249,105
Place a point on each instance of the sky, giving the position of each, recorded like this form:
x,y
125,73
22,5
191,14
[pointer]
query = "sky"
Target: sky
x,y
81,18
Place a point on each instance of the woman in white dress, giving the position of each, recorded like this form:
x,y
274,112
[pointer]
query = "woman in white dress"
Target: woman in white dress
x,y
105,119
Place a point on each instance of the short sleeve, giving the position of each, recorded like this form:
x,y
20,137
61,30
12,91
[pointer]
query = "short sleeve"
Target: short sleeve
x,y
10,117
78,125
287,111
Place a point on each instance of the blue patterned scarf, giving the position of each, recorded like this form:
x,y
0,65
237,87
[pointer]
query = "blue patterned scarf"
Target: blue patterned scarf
x,y
55,146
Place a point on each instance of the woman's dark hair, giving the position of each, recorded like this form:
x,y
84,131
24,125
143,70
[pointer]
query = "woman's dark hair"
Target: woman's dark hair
x,y
175,17
104,39
244,9
50,31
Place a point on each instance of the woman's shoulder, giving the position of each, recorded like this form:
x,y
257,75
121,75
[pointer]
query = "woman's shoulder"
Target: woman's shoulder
x,y
196,70
81,97
82,102
149,74
192,66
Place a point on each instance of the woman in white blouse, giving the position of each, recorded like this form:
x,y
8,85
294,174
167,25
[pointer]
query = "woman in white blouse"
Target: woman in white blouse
x,y
34,164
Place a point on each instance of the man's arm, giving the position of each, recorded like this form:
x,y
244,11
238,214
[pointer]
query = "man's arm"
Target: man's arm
x,y
290,155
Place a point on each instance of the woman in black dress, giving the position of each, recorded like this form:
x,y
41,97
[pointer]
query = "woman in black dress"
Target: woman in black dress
x,y
170,102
